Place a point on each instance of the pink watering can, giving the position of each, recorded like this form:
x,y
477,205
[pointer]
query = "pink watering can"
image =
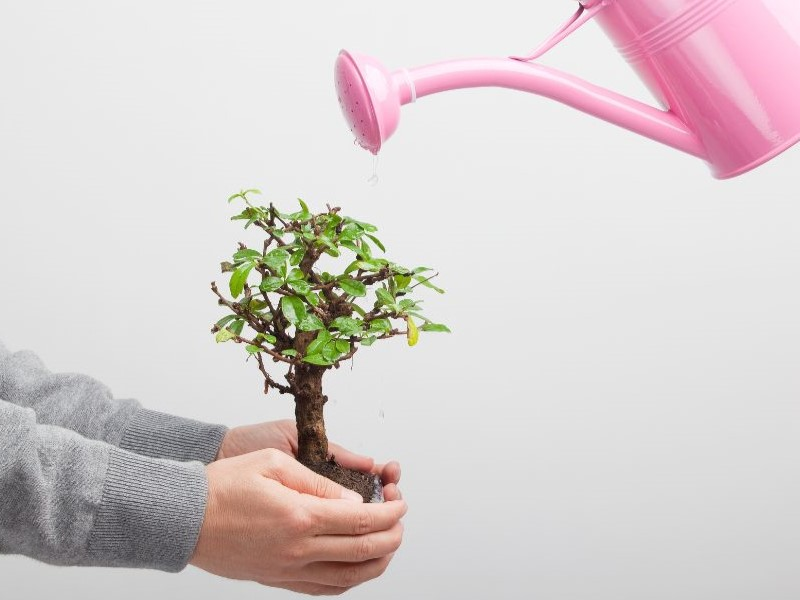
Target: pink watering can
x,y
726,71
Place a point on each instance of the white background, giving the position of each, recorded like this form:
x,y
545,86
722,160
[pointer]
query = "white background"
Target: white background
x,y
615,415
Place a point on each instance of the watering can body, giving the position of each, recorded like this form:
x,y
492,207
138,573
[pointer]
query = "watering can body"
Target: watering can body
x,y
726,72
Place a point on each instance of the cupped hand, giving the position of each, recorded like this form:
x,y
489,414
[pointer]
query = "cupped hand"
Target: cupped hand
x,y
282,435
271,520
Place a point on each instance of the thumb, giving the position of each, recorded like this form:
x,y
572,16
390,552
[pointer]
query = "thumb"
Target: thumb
x,y
294,475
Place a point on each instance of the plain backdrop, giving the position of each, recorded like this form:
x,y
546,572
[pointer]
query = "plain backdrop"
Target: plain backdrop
x,y
615,416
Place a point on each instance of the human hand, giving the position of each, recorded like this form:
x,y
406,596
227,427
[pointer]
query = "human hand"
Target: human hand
x,y
271,520
282,435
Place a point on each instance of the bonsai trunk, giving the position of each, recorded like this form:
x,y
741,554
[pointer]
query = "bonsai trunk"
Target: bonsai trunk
x,y
312,442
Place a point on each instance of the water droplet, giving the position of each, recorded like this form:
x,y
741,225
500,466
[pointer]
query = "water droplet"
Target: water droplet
x,y
373,180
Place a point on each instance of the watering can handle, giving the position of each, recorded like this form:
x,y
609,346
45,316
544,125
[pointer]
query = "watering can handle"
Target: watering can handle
x,y
587,9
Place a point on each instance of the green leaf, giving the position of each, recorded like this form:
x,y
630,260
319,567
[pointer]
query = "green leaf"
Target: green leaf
x,y
239,278
312,298
436,327
297,257
315,347
256,305
347,325
342,346
225,320
224,335
365,265
270,284
289,352
368,341
350,232
270,339
353,287
251,191
295,275
317,359
407,304
383,325
311,323
246,253
365,226
293,308
377,242
413,332
356,308
402,281
237,326
276,258
302,215
366,251
352,247
384,296
427,283
253,349
301,287
329,352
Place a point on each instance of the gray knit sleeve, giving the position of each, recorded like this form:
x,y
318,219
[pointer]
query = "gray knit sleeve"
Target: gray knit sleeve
x,y
86,406
68,500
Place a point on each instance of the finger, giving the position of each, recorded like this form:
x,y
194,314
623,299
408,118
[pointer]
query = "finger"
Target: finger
x,y
389,473
311,589
351,460
359,548
345,575
293,475
391,492
345,518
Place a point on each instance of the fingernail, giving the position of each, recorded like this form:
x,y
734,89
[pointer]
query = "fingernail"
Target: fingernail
x,y
351,495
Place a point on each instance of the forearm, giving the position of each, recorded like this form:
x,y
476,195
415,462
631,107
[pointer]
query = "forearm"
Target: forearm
x,y
86,406
71,501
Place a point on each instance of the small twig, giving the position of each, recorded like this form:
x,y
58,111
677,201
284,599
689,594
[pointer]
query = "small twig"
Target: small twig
x,y
269,382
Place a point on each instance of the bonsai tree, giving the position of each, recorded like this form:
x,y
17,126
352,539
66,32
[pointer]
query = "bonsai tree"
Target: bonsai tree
x,y
286,310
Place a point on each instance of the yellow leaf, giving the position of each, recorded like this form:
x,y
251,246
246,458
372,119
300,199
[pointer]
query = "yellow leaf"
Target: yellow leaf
x,y
413,332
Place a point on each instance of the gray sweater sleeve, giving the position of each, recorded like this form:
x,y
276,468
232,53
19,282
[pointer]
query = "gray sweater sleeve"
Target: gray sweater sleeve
x,y
68,500
86,406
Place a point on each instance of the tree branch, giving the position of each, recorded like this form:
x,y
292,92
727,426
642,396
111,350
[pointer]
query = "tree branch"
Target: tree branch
x,y
269,382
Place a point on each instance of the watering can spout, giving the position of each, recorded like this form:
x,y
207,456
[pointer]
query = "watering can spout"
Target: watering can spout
x,y
371,96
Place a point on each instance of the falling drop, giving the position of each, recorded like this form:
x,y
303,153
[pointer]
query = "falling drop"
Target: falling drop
x,y
373,180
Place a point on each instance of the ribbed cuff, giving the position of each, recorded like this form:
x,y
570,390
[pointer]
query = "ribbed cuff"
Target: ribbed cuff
x,y
156,434
150,513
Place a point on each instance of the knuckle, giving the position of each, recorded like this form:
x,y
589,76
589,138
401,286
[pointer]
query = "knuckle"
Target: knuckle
x,y
323,487
301,521
363,522
350,576
295,553
364,549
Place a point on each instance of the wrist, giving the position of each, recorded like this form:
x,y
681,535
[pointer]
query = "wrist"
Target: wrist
x,y
226,447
